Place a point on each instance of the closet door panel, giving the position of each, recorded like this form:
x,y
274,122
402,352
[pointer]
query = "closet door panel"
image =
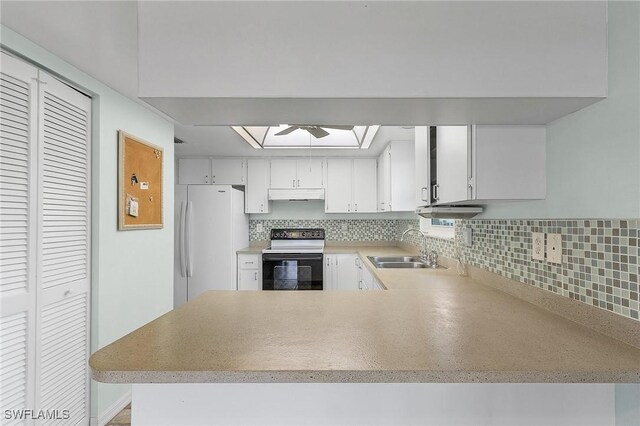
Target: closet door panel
x,y
18,129
63,249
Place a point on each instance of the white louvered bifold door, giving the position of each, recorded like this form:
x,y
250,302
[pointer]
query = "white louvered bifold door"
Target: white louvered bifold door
x,y
18,189
64,132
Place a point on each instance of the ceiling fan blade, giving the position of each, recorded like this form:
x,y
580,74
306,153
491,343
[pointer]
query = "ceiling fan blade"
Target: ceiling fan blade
x,y
338,127
287,131
317,132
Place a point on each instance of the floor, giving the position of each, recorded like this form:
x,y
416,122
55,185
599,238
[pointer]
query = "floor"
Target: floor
x,y
123,418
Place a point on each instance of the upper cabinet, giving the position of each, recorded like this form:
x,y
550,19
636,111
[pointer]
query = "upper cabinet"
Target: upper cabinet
x,y
225,171
351,185
257,190
475,164
228,171
194,170
289,173
396,177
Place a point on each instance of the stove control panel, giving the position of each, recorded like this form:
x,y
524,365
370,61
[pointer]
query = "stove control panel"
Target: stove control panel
x,y
298,234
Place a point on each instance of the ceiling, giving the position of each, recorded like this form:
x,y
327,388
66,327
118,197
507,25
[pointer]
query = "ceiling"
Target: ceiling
x,y
223,141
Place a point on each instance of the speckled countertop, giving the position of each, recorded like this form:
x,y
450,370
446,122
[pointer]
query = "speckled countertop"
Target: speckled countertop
x,y
430,326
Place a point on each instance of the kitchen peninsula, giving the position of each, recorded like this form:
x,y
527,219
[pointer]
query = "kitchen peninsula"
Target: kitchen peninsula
x,y
432,331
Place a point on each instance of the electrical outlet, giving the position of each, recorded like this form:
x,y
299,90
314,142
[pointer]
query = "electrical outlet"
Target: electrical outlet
x,y
537,252
344,227
259,227
554,248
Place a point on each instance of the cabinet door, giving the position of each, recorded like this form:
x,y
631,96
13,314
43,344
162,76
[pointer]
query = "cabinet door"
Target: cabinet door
x,y
364,192
402,176
453,146
338,196
309,173
367,279
283,173
194,170
346,272
257,189
249,279
384,181
422,166
227,171
328,272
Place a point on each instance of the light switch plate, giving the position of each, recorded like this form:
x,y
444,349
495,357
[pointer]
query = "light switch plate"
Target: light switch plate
x,y
259,227
537,252
554,248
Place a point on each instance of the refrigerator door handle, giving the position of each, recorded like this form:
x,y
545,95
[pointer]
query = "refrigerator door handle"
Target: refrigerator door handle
x,y
181,239
187,240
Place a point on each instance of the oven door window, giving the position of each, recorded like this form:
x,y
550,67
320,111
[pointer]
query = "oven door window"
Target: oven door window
x,y
292,272
291,276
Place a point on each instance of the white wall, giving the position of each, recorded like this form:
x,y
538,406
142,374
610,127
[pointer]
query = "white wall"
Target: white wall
x,y
593,155
132,271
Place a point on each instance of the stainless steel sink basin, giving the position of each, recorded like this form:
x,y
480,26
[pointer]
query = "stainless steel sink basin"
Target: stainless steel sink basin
x,y
378,259
409,262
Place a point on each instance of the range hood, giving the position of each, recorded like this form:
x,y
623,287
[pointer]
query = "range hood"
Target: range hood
x,y
449,212
298,194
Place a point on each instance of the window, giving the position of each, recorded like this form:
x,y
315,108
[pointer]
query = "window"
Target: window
x,y
438,228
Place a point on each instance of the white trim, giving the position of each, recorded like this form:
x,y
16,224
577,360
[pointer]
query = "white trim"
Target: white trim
x,y
443,232
112,411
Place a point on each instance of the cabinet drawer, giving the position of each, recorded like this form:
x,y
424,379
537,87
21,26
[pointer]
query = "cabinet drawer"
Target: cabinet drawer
x,y
249,261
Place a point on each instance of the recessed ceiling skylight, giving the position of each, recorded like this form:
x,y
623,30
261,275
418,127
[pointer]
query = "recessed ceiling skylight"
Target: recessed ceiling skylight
x,y
302,136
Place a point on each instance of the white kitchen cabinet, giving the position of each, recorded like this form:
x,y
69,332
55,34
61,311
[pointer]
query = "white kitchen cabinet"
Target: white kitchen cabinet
x,y
350,186
228,171
284,173
480,163
363,188
340,272
453,147
309,173
257,189
250,272
194,171
339,187
396,177
288,173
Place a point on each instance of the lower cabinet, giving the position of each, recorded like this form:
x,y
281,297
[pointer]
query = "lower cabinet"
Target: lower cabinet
x,y
250,272
366,280
347,272
340,272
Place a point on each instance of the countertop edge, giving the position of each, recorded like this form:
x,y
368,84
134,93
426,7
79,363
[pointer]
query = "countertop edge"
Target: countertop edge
x,y
375,376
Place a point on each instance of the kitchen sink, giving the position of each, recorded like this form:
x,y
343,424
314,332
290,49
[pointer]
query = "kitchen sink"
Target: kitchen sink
x,y
409,262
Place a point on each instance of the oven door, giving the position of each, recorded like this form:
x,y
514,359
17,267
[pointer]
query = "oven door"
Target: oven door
x,y
292,271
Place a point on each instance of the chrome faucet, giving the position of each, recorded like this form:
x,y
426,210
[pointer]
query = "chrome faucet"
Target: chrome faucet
x,y
423,252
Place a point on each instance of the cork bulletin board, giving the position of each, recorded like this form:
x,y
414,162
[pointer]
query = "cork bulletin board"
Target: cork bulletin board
x,y
139,183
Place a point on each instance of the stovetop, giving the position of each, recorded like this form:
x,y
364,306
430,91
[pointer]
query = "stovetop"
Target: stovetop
x,y
299,240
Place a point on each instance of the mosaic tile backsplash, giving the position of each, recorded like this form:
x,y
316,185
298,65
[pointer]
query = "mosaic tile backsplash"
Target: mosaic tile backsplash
x,y
335,229
599,257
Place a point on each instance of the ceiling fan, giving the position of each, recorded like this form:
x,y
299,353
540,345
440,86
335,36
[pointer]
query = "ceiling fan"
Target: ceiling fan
x,y
317,131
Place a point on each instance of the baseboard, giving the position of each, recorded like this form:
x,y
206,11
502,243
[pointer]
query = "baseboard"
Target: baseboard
x,y
110,413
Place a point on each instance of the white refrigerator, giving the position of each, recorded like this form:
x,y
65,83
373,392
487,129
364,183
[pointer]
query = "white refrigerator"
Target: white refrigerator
x,y
210,227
